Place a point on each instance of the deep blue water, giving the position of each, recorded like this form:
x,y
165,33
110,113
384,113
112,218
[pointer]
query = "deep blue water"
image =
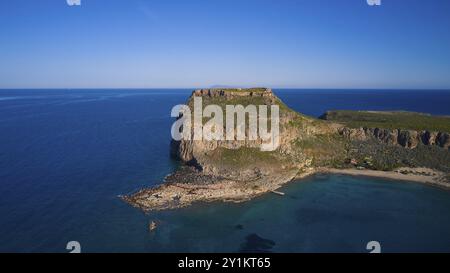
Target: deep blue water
x,y
65,156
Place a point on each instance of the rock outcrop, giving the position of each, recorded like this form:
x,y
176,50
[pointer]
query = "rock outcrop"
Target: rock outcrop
x,y
405,138
207,156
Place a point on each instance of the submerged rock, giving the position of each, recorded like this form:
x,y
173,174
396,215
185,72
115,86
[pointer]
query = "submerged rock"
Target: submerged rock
x,y
256,244
152,226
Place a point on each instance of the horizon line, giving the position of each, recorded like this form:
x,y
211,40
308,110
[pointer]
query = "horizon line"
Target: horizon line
x,y
195,88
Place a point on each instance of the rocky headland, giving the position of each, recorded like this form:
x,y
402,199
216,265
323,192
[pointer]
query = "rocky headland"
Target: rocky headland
x,y
397,145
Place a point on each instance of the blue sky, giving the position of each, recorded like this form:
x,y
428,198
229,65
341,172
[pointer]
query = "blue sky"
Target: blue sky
x,y
201,43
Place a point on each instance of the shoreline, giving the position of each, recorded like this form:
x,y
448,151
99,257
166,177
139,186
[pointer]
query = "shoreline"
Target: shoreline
x,y
174,195
418,175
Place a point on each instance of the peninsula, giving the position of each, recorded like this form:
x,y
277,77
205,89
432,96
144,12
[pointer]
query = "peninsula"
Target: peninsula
x,y
398,145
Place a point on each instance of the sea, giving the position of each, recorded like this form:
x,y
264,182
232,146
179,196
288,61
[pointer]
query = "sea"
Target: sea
x,y
67,155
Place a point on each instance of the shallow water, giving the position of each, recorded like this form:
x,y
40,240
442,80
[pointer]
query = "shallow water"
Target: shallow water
x,y
65,156
323,213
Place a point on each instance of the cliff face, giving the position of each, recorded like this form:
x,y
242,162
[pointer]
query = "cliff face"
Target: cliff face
x,y
405,138
233,158
405,129
192,151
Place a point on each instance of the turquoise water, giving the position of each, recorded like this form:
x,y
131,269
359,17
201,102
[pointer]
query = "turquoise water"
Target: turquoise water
x,y
319,214
65,156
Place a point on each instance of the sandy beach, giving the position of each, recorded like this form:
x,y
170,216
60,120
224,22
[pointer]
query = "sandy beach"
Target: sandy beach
x,y
420,175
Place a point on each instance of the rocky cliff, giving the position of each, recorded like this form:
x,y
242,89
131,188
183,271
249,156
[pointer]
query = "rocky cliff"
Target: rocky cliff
x,y
405,138
406,129
241,159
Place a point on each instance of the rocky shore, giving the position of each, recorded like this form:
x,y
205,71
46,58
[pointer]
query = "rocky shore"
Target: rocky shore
x,y
195,187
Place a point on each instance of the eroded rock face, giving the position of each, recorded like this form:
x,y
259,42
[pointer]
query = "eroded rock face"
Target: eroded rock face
x,y
292,126
408,138
443,140
405,138
354,134
428,138
386,135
